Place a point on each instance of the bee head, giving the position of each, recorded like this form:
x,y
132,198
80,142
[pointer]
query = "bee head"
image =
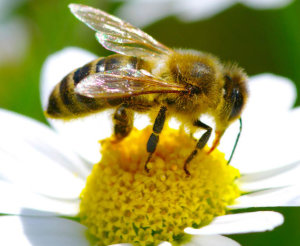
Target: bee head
x,y
235,93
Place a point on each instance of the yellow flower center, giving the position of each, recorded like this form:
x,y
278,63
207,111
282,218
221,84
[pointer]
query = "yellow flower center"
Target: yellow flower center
x,y
122,203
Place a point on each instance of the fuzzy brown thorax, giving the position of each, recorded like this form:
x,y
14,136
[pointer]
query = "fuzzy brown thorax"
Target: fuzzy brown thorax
x,y
200,72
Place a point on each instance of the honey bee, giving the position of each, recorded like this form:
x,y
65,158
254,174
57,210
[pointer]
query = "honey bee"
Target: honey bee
x,y
148,77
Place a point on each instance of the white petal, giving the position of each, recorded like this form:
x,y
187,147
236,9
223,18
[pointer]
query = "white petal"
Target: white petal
x,y
277,197
279,177
34,157
265,144
272,173
43,138
28,231
266,4
211,240
228,140
269,94
194,10
143,13
240,223
18,200
270,129
83,134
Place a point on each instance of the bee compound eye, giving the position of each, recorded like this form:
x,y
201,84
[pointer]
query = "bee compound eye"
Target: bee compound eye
x,y
228,87
238,102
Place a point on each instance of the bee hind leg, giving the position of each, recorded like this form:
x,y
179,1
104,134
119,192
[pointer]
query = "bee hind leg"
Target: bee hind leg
x,y
200,144
123,122
154,137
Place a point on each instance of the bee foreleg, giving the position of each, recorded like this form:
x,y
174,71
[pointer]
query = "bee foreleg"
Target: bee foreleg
x,y
200,144
154,137
123,122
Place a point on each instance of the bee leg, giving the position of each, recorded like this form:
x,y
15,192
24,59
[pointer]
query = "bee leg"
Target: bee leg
x,y
123,122
154,137
200,144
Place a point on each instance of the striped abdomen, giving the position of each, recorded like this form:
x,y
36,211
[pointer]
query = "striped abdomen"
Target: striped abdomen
x,y
66,104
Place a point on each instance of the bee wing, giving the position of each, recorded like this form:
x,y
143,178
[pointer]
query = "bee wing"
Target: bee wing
x,y
124,83
118,35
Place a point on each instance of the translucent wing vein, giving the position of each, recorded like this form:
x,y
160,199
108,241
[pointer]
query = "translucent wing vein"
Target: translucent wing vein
x,y
118,35
124,83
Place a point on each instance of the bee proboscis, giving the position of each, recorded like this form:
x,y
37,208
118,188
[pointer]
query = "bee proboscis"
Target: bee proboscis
x,y
147,76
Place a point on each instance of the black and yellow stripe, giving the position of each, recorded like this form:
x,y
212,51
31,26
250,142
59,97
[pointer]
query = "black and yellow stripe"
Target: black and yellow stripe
x,y
64,103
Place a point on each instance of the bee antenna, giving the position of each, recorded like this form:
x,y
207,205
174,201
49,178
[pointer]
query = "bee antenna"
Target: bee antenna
x,y
236,141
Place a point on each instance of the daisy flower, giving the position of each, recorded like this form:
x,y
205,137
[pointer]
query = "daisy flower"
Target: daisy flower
x,y
144,12
58,197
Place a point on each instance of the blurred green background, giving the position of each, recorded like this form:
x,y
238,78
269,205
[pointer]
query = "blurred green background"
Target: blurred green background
x,y
259,40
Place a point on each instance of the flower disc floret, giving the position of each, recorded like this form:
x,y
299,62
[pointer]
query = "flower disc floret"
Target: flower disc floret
x,y
122,203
